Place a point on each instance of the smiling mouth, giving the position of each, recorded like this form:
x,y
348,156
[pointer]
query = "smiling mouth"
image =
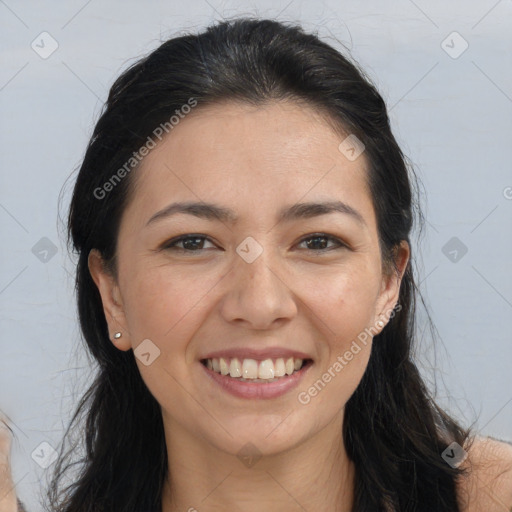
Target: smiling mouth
x,y
251,370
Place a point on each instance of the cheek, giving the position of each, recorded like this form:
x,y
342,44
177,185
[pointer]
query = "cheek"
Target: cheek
x,y
331,389
159,300
163,304
344,301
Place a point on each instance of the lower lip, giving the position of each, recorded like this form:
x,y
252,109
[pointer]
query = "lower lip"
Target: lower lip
x,y
257,389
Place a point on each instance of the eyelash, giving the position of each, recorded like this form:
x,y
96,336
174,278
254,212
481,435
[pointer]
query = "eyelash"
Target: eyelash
x,y
171,244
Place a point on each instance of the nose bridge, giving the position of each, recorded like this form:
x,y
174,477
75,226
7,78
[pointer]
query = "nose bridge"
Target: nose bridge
x,y
258,273
257,293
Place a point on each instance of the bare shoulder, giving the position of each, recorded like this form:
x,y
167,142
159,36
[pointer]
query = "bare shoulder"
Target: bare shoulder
x,y
488,486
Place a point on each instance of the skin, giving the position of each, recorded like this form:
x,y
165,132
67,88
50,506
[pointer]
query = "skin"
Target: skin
x,y
254,161
7,488
286,297
490,486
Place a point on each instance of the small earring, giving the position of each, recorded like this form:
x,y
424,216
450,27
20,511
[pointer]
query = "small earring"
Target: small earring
x,y
117,335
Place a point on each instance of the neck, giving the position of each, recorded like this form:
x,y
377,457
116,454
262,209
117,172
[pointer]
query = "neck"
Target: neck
x,y
315,475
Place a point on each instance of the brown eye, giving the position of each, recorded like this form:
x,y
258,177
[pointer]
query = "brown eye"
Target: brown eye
x,y
319,242
190,243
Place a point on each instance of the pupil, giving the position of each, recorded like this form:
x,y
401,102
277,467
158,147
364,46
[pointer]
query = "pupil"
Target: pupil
x,y
314,240
191,243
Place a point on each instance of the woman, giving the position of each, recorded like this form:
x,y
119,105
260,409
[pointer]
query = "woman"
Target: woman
x,y
242,220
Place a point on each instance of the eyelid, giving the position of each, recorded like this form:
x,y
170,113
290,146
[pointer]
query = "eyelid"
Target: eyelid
x,y
170,244
329,237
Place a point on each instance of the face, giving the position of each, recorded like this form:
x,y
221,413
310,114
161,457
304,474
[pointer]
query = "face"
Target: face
x,y
263,277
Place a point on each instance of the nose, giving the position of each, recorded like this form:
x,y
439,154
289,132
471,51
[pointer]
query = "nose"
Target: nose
x,y
258,296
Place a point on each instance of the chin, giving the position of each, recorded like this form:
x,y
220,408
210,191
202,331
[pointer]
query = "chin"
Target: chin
x,y
264,436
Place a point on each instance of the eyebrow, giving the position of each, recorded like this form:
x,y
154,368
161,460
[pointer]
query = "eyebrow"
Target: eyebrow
x,y
211,211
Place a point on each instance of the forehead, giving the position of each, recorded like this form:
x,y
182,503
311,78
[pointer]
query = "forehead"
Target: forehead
x,y
253,159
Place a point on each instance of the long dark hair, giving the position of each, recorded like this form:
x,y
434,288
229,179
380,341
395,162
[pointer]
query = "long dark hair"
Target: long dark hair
x,y
393,430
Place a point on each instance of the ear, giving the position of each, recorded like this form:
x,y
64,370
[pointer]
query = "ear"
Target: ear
x,y
111,299
390,289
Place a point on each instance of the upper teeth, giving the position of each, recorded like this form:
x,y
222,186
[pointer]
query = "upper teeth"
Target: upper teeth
x,y
252,369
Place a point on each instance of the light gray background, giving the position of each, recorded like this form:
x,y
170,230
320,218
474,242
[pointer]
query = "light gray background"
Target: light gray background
x,y
452,117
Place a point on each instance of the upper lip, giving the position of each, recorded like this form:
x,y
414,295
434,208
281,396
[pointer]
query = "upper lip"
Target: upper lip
x,y
259,354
